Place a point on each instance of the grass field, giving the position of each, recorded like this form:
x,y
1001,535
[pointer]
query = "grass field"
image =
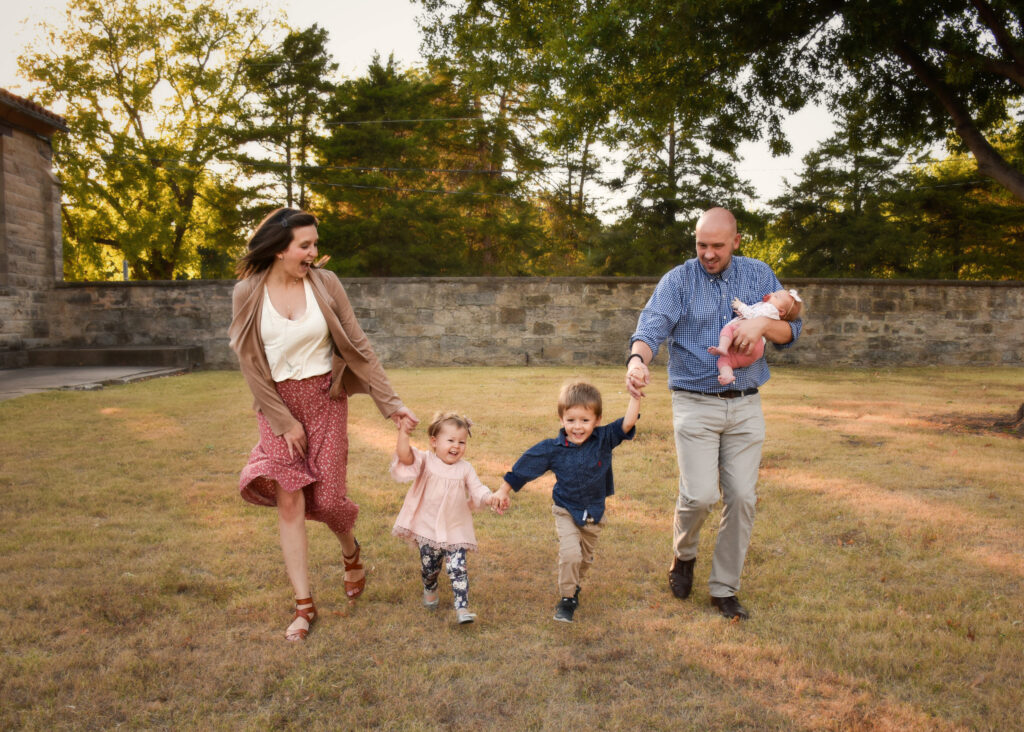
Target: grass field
x,y
884,578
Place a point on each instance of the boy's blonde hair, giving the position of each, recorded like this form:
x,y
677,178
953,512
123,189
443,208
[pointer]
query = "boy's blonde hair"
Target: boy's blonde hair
x,y
441,418
579,394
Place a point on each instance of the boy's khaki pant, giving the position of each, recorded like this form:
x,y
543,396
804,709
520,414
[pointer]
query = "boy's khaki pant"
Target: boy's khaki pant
x,y
575,550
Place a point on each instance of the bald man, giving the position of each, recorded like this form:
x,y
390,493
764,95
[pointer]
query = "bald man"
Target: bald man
x,y
719,430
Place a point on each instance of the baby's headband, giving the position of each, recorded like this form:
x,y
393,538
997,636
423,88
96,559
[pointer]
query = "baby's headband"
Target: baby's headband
x,y
795,296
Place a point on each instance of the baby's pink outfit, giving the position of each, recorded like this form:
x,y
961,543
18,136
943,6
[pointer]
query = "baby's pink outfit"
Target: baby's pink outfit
x,y
438,507
738,360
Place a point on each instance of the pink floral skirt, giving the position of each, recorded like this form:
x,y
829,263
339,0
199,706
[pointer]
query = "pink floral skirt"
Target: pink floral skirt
x,y
321,474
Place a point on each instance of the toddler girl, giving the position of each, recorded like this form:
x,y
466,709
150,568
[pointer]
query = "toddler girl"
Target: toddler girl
x,y
436,513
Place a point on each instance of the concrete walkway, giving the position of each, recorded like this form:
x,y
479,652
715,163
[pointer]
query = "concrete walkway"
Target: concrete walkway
x,y
18,382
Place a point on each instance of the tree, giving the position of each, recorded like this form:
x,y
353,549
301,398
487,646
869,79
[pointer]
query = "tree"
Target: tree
x,y
410,183
915,71
633,77
835,220
859,211
151,92
966,226
293,84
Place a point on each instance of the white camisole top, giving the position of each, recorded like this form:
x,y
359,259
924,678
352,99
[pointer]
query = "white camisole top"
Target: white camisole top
x,y
296,349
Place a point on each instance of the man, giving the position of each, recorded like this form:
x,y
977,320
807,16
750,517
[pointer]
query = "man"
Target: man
x,y
719,430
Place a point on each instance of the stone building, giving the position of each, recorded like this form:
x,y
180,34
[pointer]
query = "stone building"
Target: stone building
x,y
31,259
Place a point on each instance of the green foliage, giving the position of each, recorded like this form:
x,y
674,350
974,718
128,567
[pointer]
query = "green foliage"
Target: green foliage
x,y
293,84
856,213
673,88
915,71
965,227
618,76
411,182
151,92
185,126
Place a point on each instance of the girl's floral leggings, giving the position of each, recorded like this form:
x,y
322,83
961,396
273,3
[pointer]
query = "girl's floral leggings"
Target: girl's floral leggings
x,y
455,565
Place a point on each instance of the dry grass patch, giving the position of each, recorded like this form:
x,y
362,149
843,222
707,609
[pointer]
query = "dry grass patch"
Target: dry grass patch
x,y
885,575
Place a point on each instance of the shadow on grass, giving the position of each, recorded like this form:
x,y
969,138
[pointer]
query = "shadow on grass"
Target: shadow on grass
x,y
884,576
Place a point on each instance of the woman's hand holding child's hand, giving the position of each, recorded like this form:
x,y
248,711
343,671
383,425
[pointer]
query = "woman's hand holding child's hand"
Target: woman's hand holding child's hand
x,y
405,420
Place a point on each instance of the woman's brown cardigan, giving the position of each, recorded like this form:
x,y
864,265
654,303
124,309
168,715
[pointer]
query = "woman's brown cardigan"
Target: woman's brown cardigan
x,y
355,368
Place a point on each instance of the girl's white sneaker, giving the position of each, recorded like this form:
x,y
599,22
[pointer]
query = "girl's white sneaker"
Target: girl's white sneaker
x,y
430,599
463,615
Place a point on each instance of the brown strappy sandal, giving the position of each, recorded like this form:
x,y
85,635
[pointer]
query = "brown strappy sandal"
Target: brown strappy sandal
x,y
354,589
305,610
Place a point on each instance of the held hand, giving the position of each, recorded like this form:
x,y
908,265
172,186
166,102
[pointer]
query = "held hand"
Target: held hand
x,y
500,500
405,420
295,438
637,378
405,426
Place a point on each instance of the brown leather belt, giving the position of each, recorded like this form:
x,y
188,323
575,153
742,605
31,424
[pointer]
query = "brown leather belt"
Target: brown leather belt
x,y
729,394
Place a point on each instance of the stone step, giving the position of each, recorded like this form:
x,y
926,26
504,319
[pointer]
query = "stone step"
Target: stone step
x,y
11,342
188,358
13,359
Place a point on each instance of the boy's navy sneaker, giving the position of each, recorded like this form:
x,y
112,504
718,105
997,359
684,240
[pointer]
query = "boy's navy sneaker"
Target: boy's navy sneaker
x,y
565,608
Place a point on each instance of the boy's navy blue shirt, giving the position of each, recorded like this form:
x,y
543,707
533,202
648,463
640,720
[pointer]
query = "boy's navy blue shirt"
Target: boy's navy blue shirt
x,y
583,473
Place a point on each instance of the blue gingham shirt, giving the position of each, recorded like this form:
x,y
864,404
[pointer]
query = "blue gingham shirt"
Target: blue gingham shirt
x,y
689,308
583,472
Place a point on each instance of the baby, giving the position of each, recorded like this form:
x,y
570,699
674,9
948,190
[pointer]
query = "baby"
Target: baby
x,y
780,305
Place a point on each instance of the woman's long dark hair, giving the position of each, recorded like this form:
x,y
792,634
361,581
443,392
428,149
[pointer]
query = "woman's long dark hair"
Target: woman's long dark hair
x,y
272,236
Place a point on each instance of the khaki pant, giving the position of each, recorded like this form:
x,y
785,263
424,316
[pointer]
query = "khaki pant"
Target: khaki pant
x,y
575,549
718,446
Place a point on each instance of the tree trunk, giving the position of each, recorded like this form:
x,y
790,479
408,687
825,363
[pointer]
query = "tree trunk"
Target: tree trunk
x,y
990,162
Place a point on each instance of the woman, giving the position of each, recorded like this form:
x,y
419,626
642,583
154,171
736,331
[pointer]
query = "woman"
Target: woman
x,y
302,353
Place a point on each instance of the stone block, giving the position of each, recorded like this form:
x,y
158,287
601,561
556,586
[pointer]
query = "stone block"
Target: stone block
x,y
475,298
512,316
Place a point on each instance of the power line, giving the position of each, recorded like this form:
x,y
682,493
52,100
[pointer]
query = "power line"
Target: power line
x,y
403,121
382,169
420,190
146,160
395,189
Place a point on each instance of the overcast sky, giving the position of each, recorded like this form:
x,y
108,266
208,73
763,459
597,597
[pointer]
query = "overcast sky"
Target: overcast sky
x,y
359,28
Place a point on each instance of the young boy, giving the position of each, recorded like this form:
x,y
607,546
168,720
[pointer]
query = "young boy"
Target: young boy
x,y
581,459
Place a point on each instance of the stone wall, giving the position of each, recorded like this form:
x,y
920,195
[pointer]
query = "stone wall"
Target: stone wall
x,y
565,321
29,238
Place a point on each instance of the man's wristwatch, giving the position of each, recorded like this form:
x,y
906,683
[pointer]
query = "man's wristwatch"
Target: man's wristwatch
x,y
635,355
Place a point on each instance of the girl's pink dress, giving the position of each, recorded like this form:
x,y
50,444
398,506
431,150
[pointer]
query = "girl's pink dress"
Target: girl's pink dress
x,y
438,507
